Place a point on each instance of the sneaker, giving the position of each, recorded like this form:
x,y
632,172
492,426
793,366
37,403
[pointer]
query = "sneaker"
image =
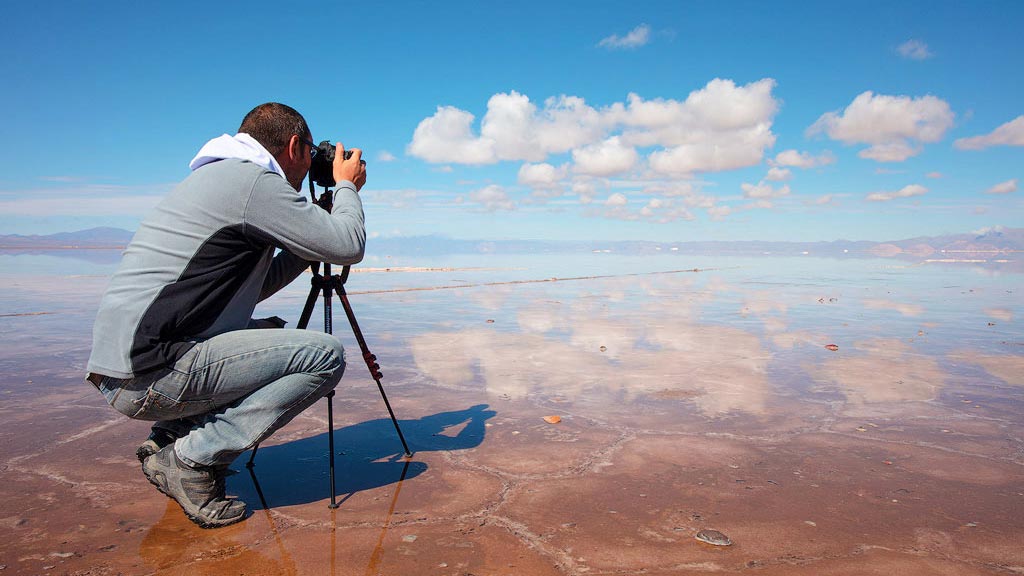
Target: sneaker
x,y
199,491
158,438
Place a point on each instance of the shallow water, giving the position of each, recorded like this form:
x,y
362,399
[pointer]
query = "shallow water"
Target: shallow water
x,y
694,393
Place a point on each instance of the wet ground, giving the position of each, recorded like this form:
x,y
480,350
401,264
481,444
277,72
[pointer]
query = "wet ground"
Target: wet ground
x,y
691,393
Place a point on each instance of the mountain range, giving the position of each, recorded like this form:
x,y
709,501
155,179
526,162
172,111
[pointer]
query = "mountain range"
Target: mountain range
x,y
991,244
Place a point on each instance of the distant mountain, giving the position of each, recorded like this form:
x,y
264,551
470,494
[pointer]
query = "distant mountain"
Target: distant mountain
x,y
991,244
91,238
983,244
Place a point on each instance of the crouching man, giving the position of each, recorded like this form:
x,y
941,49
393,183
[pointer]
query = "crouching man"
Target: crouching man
x,y
174,341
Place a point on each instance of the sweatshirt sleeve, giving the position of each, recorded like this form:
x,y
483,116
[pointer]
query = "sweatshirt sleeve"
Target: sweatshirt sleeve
x,y
290,221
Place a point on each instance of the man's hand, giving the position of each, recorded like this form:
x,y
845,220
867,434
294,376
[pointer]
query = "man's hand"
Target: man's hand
x,y
353,169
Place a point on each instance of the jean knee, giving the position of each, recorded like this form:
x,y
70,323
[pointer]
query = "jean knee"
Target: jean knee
x,y
331,358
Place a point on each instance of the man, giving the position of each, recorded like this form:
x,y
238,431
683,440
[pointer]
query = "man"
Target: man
x,y
174,341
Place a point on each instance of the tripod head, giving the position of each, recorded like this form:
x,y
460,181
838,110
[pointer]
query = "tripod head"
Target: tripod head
x,y
326,199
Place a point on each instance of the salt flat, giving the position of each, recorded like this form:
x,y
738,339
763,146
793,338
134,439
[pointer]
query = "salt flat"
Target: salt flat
x,y
693,392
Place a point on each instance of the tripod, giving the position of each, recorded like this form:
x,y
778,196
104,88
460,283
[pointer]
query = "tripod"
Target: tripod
x,y
329,284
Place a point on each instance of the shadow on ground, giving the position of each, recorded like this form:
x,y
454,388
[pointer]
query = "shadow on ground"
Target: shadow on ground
x,y
368,455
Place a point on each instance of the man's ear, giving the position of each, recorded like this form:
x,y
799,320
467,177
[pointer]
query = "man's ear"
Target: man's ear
x,y
294,147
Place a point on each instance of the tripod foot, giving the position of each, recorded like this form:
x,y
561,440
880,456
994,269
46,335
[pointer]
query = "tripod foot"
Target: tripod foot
x,y
252,457
333,506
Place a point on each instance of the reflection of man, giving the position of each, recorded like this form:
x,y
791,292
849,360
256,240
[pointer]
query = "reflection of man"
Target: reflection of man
x,y
174,341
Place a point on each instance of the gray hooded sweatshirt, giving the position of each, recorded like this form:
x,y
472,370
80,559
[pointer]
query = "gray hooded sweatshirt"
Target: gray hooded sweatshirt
x,y
203,259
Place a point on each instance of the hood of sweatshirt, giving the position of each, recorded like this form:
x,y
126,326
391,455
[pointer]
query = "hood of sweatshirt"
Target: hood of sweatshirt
x,y
241,146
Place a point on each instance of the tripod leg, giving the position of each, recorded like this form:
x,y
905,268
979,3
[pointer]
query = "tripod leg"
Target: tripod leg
x,y
307,310
330,446
369,358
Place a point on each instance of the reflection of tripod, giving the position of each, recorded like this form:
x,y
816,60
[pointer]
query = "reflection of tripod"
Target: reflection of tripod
x,y
327,284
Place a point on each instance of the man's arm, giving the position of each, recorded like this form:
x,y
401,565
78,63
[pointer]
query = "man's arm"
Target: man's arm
x,y
290,221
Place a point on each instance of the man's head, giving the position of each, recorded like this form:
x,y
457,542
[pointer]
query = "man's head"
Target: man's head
x,y
283,132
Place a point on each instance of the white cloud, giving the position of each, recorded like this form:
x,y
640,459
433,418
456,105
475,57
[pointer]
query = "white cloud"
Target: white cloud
x,y
585,190
699,201
521,132
710,157
512,129
605,158
541,175
385,156
905,192
824,199
492,198
894,126
652,205
719,212
890,152
1003,187
720,106
802,159
914,50
447,136
762,190
1009,134
509,124
616,199
657,210
636,37
719,127
663,211
567,122
778,174
933,175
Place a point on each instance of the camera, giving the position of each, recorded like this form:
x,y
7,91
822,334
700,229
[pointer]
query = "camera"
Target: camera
x,y
321,170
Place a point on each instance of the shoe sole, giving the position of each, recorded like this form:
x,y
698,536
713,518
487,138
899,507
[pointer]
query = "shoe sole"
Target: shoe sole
x,y
195,519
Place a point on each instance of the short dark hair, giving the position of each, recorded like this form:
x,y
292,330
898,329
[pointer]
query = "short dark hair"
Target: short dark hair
x,y
273,124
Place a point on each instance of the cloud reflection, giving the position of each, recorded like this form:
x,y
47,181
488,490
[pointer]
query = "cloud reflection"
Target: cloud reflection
x,y
586,348
1008,368
902,308
888,370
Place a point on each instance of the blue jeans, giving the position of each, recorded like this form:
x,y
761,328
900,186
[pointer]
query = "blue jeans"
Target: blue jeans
x,y
232,391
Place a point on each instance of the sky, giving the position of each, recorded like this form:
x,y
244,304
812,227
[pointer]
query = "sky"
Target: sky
x,y
659,121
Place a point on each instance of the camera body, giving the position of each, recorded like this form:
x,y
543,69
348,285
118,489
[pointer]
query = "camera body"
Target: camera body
x,y
321,170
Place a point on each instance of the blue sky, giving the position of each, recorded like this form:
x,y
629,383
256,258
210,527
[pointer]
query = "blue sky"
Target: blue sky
x,y
665,121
